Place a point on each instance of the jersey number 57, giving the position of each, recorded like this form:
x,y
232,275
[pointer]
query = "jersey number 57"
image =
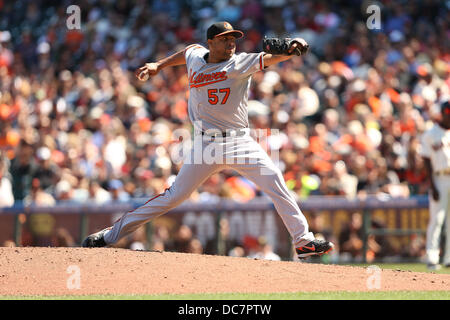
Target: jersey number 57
x,y
213,97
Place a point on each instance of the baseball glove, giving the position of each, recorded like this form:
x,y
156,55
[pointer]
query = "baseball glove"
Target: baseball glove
x,y
282,46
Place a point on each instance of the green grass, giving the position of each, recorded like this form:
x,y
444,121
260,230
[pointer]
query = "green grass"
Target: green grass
x,y
375,295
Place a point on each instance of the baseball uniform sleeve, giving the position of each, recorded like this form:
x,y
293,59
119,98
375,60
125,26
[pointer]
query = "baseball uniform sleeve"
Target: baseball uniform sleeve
x,y
424,149
249,63
193,51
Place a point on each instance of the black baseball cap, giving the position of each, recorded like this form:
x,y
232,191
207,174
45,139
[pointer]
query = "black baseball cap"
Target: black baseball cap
x,y
222,28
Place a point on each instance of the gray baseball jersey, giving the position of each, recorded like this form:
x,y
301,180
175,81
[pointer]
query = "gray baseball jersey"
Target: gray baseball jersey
x,y
218,93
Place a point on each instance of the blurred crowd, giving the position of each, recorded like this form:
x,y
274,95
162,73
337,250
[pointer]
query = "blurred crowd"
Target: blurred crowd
x,y
165,235
76,125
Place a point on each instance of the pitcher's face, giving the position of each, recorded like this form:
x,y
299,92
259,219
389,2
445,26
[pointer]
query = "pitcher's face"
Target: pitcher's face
x,y
222,47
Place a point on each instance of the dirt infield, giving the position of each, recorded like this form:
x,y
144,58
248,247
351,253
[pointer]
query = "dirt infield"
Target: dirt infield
x,y
59,271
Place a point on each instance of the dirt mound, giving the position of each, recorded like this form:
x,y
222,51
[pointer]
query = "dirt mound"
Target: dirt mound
x,y
76,271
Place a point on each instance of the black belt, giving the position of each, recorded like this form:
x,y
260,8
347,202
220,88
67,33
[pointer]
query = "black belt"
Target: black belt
x,y
213,134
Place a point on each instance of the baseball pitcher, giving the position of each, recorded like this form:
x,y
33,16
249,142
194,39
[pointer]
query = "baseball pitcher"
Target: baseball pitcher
x,y
435,149
219,81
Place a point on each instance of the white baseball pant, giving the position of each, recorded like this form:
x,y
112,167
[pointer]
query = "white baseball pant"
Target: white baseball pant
x,y
439,211
233,151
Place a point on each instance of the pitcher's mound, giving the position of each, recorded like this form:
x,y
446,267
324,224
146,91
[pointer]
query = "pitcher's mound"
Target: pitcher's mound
x,y
77,271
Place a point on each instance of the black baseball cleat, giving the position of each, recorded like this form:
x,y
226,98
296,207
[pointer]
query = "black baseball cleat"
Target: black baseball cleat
x,y
314,248
95,240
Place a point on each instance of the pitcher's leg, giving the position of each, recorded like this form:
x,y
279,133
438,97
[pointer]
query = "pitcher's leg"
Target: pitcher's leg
x,y
187,180
274,186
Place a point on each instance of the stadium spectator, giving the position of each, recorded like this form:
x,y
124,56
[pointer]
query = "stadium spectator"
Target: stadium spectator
x,y
97,194
138,240
224,243
117,191
48,173
195,246
162,239
38,196
22,169
416,248
64,191
265,251
351,238
63,238
237,251
317,226
346,182
183,238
